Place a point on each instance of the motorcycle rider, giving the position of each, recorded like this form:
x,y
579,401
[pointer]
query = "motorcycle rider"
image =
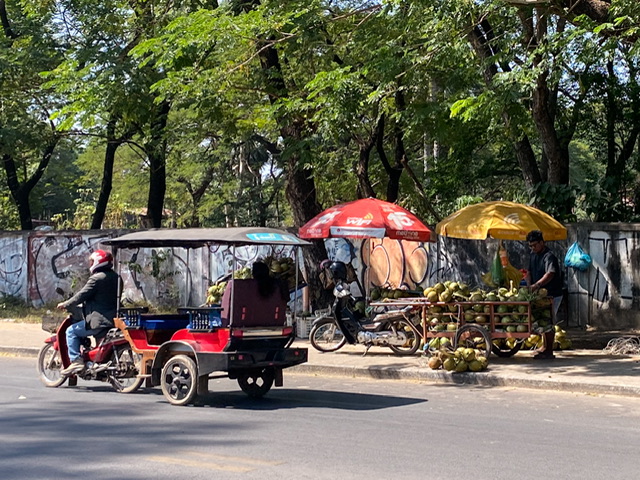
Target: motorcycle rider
x,y
99,298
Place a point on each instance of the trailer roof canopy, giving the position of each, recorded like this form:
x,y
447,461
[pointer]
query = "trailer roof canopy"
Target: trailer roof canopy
x,y
200,237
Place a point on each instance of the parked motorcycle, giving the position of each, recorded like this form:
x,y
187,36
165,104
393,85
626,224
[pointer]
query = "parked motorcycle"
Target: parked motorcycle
x,y
344,323
110,360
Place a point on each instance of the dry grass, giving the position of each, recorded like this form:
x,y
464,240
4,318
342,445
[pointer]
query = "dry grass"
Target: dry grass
x,y
12,308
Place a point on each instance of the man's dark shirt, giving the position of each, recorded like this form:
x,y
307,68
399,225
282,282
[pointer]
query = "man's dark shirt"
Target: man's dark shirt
x,y
99,295
546,261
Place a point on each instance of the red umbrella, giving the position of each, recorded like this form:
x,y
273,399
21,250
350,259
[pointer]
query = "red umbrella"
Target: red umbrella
x,y
366,218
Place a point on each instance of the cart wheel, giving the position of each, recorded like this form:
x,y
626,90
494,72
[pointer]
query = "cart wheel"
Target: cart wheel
x,y
179,380
50,366
413,339
501,349
257,383
325,336
474,336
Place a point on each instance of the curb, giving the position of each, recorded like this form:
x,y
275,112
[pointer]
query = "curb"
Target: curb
x,y
22,351
487,379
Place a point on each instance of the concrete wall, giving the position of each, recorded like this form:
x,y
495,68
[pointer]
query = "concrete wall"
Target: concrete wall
x,y
607,296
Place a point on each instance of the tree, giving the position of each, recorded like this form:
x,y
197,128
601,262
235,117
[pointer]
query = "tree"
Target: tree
x,y
28,138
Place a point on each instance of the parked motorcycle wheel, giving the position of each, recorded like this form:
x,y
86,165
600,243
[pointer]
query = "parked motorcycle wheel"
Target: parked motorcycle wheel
x,y
50,366
474,336
413,339
325,336
179,380
124,379
257,383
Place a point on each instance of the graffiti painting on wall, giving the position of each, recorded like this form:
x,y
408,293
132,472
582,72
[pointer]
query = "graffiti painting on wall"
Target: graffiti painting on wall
x,y
58,262
611,255
391,263
13,267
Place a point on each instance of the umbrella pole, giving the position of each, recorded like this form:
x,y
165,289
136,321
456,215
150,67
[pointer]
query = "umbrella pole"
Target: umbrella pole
x,y
367,274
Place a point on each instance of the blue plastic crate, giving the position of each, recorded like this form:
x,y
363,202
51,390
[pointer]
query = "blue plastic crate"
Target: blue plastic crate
x,y
131,316
204,318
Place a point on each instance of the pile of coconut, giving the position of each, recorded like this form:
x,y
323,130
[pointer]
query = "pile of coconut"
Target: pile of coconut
x,y
462,359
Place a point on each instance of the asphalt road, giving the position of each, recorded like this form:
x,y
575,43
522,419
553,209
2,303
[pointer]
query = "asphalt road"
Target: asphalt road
x,y
312,428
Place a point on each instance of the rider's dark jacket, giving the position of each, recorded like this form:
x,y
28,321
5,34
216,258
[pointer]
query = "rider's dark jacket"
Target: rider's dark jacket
x,y
100,298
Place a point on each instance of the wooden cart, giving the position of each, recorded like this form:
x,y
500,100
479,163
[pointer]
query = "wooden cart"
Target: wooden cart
x,y
478,324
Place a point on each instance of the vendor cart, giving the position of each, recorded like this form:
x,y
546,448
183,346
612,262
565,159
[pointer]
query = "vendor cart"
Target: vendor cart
x,y
479,324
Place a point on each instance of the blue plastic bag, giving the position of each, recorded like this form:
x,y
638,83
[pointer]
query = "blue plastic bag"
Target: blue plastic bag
x,y
577,258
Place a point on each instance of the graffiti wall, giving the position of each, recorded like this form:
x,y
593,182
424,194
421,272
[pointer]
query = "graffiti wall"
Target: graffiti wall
x,y
607,295
33,265
58,262
13,264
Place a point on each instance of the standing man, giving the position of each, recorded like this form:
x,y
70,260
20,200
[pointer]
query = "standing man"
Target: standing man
x,y
99,297
544,271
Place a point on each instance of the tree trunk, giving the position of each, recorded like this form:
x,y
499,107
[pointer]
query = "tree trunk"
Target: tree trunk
x,y
155,149
107,177
365,189
556,152
20,192
300,189
480,41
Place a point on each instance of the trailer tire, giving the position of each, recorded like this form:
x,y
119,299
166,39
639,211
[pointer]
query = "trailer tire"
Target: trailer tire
x,y
179,380
257,383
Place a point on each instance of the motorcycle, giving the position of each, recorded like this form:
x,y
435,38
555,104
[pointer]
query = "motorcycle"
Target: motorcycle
x,y
344,323
109,358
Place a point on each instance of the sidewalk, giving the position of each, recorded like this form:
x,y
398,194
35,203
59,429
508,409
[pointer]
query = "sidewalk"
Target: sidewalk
x,y
583,370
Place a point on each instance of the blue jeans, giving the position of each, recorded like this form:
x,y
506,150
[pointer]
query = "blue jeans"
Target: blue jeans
x,y
75,334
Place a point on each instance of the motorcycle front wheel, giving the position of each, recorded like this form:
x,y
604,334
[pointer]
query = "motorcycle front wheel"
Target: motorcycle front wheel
x,y
124,379
50,366
325,336
412,344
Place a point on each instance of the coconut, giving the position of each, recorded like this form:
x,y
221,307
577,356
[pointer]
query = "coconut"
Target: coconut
x,y
462,366
475,366
449,364
434,363
469,354
483,361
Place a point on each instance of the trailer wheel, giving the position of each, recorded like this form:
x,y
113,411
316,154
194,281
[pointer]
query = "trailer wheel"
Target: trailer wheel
x,y
474,336
179,380
257,382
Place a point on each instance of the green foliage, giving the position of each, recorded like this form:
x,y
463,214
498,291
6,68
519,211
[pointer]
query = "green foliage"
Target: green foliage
x,y
556,200
345,66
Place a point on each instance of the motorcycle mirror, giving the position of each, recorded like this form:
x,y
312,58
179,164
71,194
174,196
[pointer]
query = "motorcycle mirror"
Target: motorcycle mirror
x,y
341,291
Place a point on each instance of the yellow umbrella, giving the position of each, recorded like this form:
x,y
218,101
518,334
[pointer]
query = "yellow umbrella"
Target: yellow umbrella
x,y
502,220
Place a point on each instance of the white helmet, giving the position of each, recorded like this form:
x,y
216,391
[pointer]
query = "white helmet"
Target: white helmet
x,y
100,258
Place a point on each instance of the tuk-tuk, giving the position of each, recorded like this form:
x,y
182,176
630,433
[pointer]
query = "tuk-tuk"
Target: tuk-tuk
x,y
246,337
